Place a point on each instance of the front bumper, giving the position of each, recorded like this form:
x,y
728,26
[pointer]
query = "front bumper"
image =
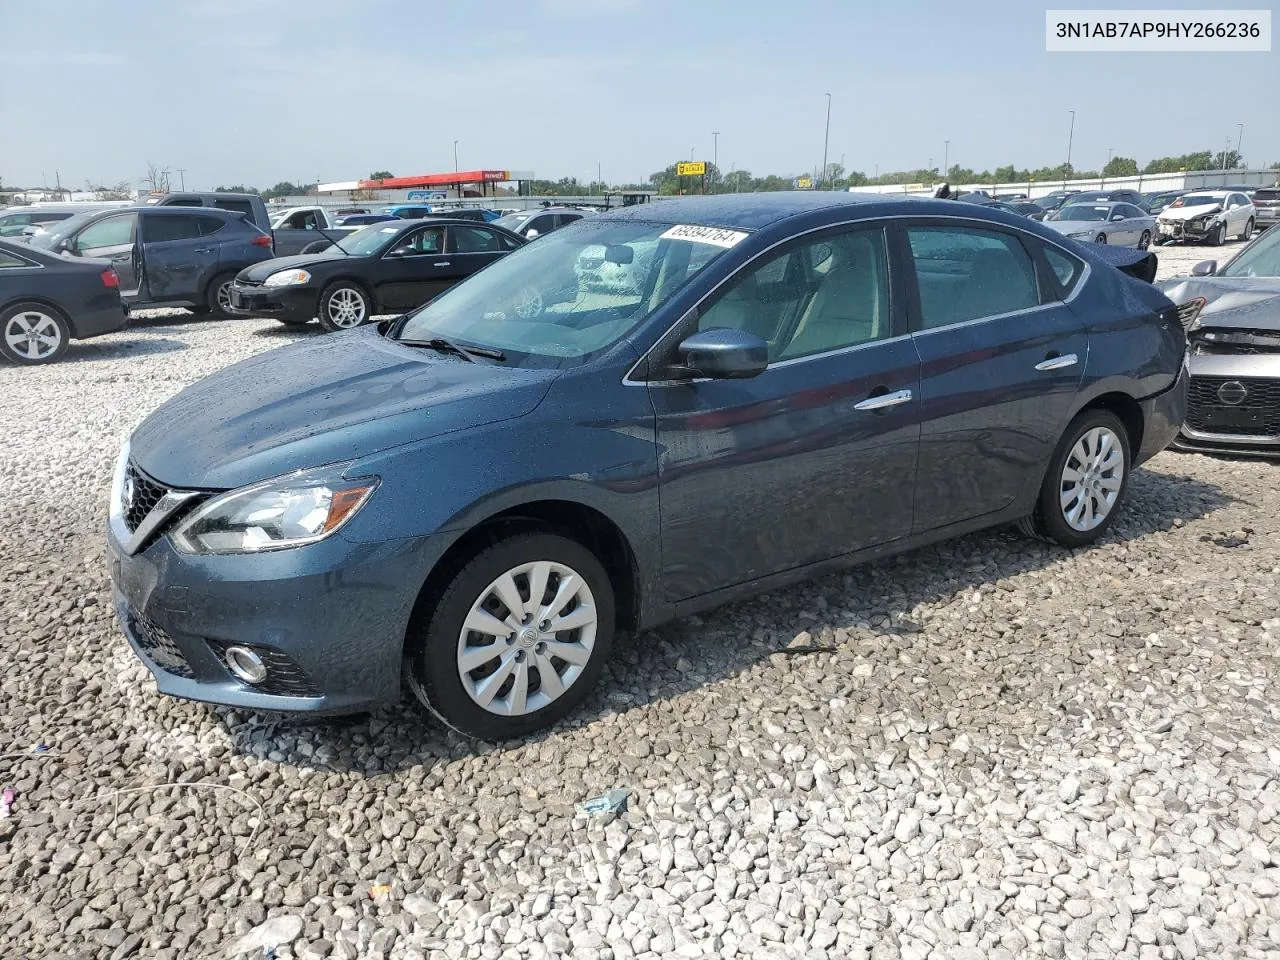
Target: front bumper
x,y
1162,415
1181,230
290,303
329,619
1234,405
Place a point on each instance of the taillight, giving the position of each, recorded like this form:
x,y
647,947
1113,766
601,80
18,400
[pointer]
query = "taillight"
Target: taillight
x,y
110,278
262,240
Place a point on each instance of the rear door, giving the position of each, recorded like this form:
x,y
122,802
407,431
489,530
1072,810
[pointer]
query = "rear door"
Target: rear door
x,y
178,254
1001,356
115,238
414,270
470,249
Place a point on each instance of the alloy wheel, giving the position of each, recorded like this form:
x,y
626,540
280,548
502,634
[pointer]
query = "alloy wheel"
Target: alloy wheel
x,y
1145,240
1091,479
527,638
346,308
224,296
32,335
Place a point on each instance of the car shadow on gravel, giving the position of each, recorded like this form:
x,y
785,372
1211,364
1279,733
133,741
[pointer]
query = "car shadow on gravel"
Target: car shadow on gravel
x,y
90,352
683,656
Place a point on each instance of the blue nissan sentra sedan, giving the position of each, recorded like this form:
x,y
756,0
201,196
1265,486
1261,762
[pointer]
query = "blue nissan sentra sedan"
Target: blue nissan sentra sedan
x,y
478,495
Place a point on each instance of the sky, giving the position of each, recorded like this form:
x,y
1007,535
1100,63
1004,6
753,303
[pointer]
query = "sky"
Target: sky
x,y
259,91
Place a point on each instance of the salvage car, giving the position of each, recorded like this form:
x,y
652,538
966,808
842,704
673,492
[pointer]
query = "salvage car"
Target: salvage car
x,y
47,300
382,268
1234,317
1121,224
531,224
1266,207
1206,216
166,256
478,495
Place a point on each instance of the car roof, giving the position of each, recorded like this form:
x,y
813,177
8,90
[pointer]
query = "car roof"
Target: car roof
x,y
753,211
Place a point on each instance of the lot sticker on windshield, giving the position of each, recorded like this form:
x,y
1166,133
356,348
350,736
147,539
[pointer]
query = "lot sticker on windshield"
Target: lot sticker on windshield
x,y
712,235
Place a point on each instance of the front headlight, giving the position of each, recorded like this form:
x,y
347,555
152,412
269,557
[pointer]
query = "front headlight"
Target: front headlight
x,y
287,278
276,515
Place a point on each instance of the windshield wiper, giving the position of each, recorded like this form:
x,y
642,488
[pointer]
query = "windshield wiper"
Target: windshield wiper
x,y
448,346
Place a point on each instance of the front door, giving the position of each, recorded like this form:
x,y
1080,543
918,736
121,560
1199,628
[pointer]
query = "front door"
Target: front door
x,y
816,456
1001,360
414,270
115,238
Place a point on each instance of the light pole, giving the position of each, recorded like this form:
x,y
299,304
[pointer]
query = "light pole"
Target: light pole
x,y
946,153
182,178
455,156
826,139
1070,136
1239,139
715,155
1225,150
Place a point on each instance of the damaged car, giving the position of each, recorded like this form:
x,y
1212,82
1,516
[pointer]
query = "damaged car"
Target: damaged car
x,y
1207,216
1233,315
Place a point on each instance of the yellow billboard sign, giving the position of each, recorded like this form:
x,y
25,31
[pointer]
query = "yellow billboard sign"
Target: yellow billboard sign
x,y
804,183
691,168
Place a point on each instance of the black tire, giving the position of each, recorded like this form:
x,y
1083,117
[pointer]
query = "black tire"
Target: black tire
x,y
41,333
217,298
1100,238
1048,521
1219,234
325,311
432,669
1144,241
1248,231
315,246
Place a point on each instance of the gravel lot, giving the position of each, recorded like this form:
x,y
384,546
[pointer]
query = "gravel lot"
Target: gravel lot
x,y
987,749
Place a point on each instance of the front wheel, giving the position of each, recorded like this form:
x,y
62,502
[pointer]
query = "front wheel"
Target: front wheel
x,y
1248,231
32,333
343,306
1085,483
1144,241
1219,234
516,639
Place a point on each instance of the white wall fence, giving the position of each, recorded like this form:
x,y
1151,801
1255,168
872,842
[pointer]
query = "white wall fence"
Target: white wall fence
x,y
1144,183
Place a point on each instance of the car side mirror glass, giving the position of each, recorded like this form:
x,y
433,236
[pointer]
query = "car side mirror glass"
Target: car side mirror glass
x,y
1117,216
1204,268
724,353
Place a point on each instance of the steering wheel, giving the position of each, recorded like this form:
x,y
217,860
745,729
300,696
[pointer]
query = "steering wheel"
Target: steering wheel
x,y
527,302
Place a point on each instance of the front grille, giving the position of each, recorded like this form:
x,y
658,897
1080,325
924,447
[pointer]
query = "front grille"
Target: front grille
x,y
284,677
159,646
146,494
1260,407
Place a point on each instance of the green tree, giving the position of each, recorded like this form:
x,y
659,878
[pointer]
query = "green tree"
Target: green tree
x,y
1202,160
1233,160
235,188
1120,167
285,189
381,175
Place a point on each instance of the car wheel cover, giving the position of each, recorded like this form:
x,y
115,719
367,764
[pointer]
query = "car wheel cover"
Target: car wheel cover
x,y
1091,479
1145,240
527,638
346,307
32,335
223,296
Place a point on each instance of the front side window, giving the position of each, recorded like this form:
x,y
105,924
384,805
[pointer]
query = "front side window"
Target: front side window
x,y
421,243
111,232
1260,259
967,273
811,298
577,291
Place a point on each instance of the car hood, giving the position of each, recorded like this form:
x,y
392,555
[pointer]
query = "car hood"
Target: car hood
x,y
336,398
260,271
1243,302
1187,213
1074,226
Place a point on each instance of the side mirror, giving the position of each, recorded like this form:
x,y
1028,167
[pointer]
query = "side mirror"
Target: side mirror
x,y
404,251
67,245
1205,268
530,234
724,353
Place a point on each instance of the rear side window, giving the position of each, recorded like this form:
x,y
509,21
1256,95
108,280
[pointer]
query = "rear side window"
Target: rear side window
x,y
185,202
239,206
967,273
159,229
473,240
564,218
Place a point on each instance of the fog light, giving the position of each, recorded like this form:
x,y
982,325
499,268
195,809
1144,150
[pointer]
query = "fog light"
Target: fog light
x,y
245,664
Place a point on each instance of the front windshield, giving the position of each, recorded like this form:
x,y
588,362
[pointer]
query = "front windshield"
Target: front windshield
x,y
1196,200
55,233
1260,259
578,290
1080,211
367,240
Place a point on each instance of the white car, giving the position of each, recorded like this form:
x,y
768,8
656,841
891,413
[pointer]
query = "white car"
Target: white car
x,y
1207,215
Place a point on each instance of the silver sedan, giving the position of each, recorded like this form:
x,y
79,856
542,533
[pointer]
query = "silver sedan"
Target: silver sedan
x,y
1114,222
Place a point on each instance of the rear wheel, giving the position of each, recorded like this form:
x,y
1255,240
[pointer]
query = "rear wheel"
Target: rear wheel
x,y
1085,483
218,297
516,639
343,306
33,333
1100,238
1248,231
1144,241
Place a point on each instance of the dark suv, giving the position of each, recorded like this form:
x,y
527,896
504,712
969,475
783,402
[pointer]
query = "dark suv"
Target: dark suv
x,y
250,204
166,256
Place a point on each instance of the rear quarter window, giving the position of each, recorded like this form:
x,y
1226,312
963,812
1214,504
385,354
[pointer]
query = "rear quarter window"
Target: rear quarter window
x,y
1065,268
9,261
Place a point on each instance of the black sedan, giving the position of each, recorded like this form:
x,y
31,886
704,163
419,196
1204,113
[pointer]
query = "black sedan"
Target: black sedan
x,y
47,299
384,268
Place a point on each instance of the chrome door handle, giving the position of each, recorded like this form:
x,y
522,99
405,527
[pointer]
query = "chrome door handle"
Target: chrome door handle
x,y
442,263
884,401
1058,363
204,250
